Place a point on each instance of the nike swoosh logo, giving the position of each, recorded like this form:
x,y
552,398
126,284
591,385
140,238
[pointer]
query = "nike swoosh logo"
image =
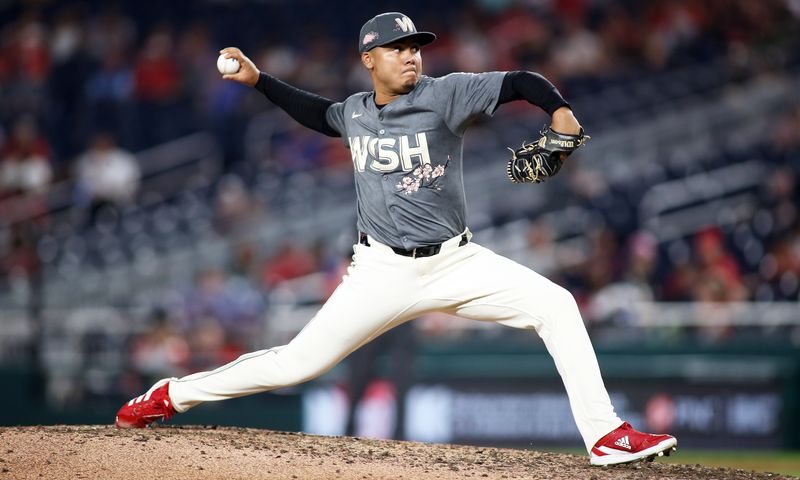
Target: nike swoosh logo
x,y
356,115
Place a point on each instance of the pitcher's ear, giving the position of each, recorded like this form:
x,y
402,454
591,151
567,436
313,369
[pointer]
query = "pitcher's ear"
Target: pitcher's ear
x,y
366,59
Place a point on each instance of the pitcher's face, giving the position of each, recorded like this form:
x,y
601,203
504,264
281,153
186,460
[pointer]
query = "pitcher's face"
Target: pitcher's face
x,y
395,67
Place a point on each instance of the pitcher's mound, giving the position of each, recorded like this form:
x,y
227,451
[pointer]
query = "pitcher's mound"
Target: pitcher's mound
x,y
166,453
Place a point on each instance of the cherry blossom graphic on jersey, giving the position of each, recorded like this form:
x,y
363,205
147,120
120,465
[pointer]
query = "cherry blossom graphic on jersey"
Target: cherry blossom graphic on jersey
x,y
423,176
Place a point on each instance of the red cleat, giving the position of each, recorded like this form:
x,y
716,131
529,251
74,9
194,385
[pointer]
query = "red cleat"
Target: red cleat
x,y
146,409
625,445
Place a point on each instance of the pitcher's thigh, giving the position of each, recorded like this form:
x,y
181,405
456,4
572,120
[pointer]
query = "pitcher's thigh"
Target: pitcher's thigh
x,y
356,312
495,288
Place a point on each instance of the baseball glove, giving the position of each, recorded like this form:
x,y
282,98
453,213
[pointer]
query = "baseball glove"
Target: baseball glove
x,y
536,162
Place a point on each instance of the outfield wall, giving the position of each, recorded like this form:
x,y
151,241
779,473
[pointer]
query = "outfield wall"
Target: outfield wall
x,y
501,394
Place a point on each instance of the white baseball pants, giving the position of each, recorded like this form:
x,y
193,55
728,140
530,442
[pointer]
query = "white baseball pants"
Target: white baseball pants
x,y
382,290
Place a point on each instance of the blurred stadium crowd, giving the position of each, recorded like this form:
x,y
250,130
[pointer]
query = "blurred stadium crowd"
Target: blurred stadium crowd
x,y
90,88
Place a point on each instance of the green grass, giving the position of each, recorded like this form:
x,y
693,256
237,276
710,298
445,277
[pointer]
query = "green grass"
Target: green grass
x,y
783,462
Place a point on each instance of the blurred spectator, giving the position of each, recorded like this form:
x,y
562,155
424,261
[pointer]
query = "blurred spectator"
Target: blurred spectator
x,y
319,70
621,37
642,259
158,88
290,261
520,40
679,281
211,345
71,68
541,254
579,52
298,149
25,174
67,36
25,163
234,208
672,26
572,10
232,302
110,41
157,77
109,91
19,263
160,351
106,175
197,55
281,61
25,65
616,303
110,31
719,278
471,49
781,199
786,136
244,261
780,269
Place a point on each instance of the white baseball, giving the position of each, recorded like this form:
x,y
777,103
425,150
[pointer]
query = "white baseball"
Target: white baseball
x,y
227,66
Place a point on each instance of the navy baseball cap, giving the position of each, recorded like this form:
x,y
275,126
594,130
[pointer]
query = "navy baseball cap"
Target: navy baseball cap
x,y
389,27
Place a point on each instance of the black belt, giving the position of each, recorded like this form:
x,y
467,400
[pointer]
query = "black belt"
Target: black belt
x,y
419,252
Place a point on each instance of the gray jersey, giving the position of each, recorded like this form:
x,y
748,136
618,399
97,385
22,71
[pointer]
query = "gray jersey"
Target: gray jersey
x,y
407,156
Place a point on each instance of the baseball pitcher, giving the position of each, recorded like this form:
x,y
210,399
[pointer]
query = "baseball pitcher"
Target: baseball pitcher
x,y
414,253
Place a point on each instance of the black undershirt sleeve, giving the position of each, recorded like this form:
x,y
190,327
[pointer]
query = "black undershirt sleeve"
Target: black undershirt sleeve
x,y
534,88
307,108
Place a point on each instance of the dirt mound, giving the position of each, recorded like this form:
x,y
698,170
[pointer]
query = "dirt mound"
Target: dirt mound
x,y
238,453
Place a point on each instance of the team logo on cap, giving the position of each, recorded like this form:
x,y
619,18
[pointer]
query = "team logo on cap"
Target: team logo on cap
x,y
370,37
405,24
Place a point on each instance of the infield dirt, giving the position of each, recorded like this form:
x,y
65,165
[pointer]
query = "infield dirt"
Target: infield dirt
x,y
166,453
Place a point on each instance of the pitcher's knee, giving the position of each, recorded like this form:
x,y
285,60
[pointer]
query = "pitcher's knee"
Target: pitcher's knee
x,y
562,301
304,373
296,371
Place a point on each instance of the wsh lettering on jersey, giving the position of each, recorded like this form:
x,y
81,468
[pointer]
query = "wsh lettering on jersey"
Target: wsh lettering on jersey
x,y
388,154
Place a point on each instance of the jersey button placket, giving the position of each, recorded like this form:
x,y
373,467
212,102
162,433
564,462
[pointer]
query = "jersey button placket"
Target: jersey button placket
x,y
385,176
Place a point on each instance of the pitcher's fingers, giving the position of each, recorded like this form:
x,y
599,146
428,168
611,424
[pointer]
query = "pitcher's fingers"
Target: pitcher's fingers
x,y
231,52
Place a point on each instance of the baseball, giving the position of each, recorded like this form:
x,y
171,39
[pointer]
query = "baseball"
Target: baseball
x,y
227,66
